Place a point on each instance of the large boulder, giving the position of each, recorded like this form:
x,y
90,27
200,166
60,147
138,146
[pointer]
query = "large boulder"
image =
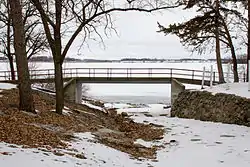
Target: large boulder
x,y
205,106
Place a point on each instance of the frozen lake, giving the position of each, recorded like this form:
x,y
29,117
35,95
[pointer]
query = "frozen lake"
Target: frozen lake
x,y
129,93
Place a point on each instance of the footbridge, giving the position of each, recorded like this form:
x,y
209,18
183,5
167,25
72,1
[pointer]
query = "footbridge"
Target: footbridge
x,y
75,77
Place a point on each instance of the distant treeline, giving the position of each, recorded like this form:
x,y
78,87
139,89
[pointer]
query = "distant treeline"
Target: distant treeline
x,y
143,59
239,61
70,59
50,59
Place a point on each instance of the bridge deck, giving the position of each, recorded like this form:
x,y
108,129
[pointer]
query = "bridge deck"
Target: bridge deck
x,y
122,80
121,75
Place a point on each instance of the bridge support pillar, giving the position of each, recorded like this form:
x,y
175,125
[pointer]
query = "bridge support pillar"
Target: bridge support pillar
x,y
176,88
78,97
73,91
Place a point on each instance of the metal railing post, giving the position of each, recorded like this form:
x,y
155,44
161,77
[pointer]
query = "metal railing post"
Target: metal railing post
x,y
203,78
211,76
248,75
228,71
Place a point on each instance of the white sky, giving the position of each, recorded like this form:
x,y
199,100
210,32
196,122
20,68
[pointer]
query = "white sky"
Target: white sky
x,y
137,37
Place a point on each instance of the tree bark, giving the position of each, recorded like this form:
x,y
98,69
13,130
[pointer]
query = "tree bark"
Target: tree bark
x,y
230,42
12,69
218,55
59,87
248,39
9,55
57,56
25,93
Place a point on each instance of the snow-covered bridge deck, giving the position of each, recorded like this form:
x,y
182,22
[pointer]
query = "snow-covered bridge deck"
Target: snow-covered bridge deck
x,y
122,75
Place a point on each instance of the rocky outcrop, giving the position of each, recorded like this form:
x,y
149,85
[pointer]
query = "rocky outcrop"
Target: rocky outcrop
x,y
205,106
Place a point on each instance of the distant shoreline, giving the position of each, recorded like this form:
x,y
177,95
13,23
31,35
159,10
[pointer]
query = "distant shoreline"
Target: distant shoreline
x,y
127,60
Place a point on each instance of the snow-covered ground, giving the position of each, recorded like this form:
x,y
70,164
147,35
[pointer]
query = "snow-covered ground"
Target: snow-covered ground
x,y
239,89
186,143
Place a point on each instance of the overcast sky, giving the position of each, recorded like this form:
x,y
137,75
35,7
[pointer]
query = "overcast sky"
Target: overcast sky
x,y
137,38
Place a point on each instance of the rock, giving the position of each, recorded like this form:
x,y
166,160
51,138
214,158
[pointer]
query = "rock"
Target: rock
x,y
195,140
58,153
80,156
156,125
2,113
227,136
205,106
166,107
172,141
148,115
5,153
164,115
124,114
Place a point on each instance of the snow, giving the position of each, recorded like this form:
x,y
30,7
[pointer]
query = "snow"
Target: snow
x,y
143,142
186,142
66,112
93,106
239,89
153,109
195,143
116,105
7,86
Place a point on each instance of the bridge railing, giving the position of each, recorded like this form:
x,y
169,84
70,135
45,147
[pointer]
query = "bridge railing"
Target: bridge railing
x,y
120,72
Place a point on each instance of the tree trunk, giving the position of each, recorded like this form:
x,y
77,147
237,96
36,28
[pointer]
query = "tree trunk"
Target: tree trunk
x,y
59,87
248,40
235,70
12,69
9,55
57,56
25,93
230,42
218,56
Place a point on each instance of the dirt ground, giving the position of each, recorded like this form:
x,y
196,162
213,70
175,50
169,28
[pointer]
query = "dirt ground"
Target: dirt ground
x,y
49,129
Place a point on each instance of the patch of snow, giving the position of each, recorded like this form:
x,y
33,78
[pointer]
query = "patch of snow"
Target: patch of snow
x,y
116,105
143,142
239,89
66,108
7,86
196,144
94,106
66,112
185,143
153,109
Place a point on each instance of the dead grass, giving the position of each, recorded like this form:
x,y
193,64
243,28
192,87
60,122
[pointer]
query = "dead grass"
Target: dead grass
x,y
48,128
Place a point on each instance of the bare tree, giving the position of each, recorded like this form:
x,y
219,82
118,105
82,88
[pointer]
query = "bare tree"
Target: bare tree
x,y
35,39
81,17
209,28
248,40
25,93
217,39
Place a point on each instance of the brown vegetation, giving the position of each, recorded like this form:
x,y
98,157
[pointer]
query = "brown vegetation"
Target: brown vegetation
x,y
47,128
